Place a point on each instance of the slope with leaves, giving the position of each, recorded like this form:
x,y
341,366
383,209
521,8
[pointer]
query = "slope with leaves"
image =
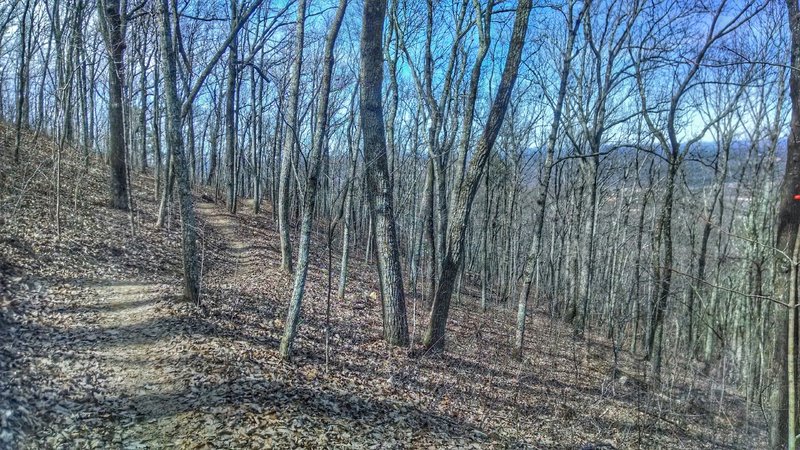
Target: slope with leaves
x,y
98,350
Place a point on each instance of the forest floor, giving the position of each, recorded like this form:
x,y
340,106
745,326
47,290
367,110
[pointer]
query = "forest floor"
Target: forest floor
x,y
97,349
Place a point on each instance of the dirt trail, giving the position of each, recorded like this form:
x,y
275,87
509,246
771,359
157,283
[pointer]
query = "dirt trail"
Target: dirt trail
x,y
149,352
227,228
233,249
127,315
131,354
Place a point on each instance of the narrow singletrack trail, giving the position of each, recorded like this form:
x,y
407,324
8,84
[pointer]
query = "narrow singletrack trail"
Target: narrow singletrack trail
x,y
131,353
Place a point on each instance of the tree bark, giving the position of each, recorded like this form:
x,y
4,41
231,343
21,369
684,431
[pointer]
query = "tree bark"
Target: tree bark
x,y
22,80
395,327
230,119
112,14
180,164
784,420
352,145
290,141
655,338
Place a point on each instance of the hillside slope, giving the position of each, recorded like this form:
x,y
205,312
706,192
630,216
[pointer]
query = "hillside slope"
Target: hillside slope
x,y
99,351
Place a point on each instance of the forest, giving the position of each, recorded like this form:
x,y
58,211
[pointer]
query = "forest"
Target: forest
x,y
399,224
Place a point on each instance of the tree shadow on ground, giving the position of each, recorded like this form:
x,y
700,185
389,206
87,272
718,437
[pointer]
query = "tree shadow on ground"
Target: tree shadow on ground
x,y
315,404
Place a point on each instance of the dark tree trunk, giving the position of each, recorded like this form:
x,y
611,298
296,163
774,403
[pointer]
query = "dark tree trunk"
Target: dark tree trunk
x,y
783,423
395,327
112,15
22,81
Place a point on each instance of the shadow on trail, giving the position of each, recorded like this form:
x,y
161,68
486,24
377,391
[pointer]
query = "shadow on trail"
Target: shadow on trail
x,y
310,404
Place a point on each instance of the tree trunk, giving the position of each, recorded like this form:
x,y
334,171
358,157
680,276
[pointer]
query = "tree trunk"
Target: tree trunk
x,y
320,135
659,306
143,105
395,327
532,260
159,170
112,14
452,260
589,167
348,203
230,124
180,166
213,146
782,434
289,143
22,80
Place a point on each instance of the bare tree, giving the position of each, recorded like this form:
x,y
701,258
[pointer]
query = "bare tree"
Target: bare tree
x,y
292,136
113,23
395,327
174,142
459,214
317,145
676,149
230,112
176,112
573,22
783,432
22,77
